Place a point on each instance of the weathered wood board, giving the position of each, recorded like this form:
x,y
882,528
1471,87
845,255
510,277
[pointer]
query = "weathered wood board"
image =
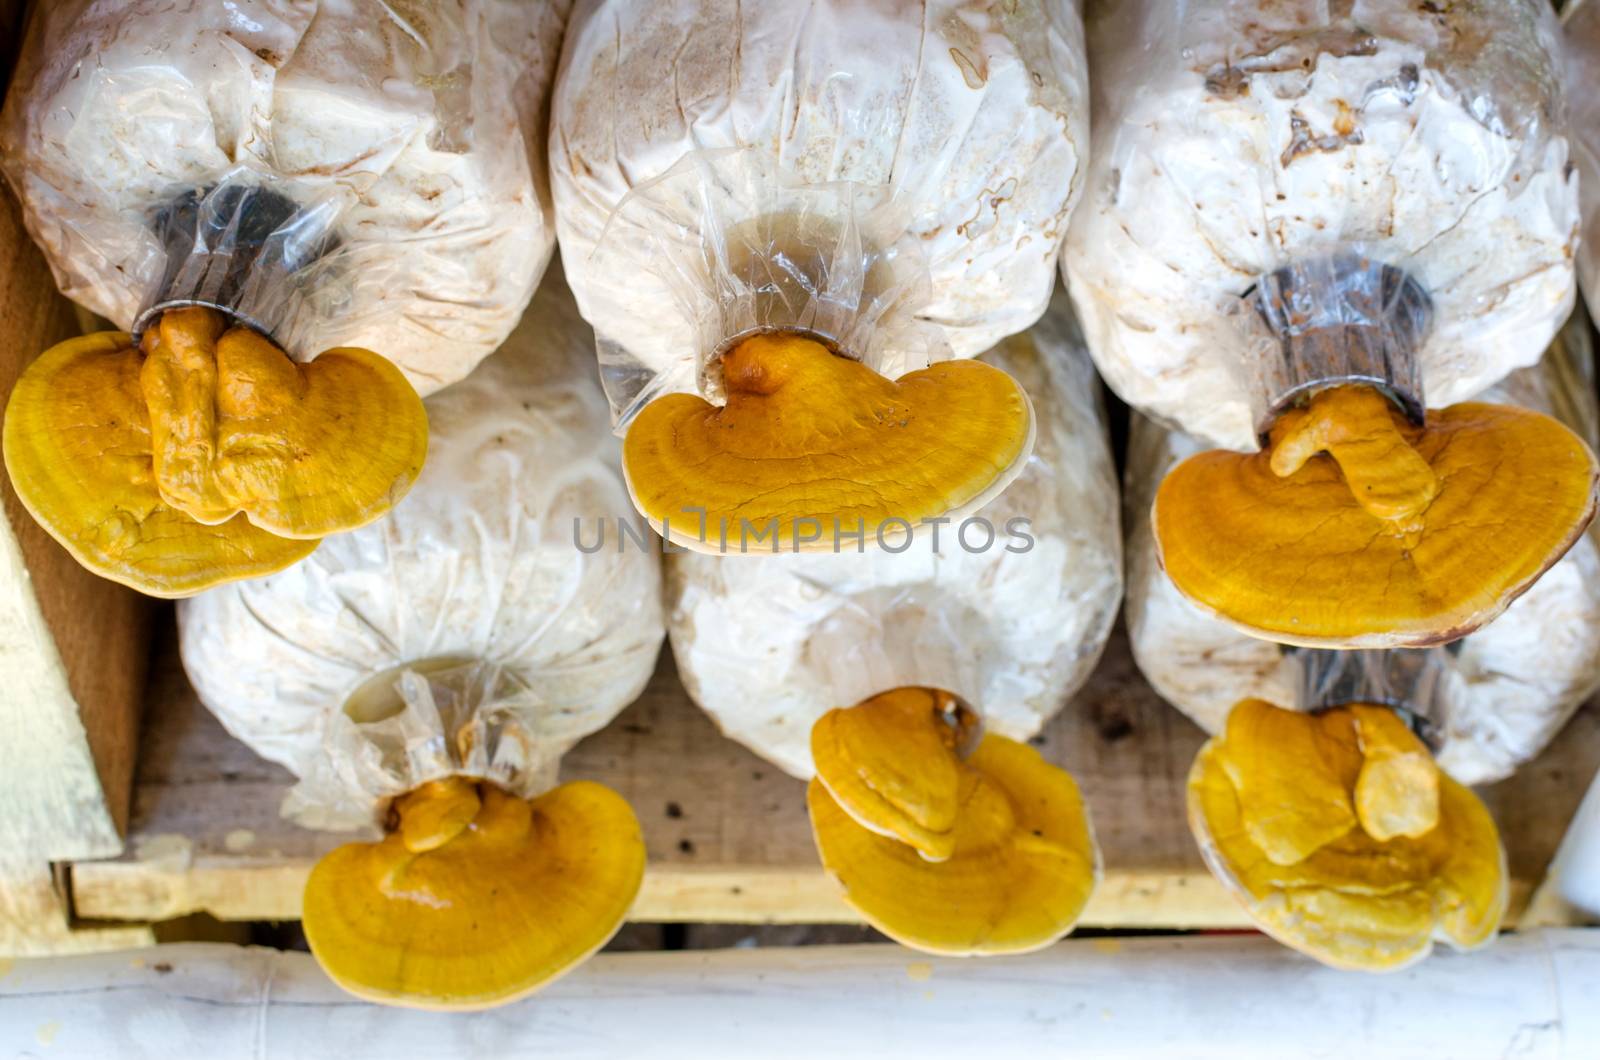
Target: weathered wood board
x,y
73,647
728,835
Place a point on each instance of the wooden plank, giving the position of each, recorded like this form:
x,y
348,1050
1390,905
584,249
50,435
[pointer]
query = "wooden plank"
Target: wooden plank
x,y
728,835
73,648
35,920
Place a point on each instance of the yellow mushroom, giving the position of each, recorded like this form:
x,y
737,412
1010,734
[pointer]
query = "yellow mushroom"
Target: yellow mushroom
x,y
987,854
1357,529
809,440
475,897
77,445
1343,839
209,455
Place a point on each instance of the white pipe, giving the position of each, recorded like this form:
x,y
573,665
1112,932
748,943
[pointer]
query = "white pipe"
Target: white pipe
x,y
1534,995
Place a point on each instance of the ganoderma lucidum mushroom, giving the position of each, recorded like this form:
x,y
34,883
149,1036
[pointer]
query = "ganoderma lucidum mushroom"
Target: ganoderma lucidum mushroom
x,y
426,673
1356,528
773,254
206,454
1511,685
1582,40
903,683
310,182
1321,866
1304,225
1341,836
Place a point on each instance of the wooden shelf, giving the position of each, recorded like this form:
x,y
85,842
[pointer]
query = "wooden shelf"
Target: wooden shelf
x,y
728,835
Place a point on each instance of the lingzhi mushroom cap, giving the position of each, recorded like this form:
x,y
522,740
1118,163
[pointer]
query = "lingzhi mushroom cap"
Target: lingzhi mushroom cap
x,y
1341,837
475,897
987,855
208,456
808,435
77,445
1357,529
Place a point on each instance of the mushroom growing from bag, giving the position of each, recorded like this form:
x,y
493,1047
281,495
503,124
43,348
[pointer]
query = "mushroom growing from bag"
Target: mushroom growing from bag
x,y
1324,230
1277,802
322,211
1509,686
905,684
1342,838
790,271
425,674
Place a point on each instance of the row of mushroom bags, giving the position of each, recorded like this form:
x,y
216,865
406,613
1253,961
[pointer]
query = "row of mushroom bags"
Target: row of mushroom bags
x,y
809,264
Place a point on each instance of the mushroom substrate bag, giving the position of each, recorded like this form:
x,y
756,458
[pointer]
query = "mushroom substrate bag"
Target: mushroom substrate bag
x,y
336,172
1009,612
1582,38
463,634
1279,196
1486,703
714,177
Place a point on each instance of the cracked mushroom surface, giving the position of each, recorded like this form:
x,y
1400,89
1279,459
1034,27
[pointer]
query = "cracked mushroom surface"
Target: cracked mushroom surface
x,y
208,455
1510,685
1343,839
948,841
423,676
420,126
1356,529
1232,139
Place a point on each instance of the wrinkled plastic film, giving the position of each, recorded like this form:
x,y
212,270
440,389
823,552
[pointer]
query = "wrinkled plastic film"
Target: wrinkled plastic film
x,y
1238,145
465,632
744,250
1011,626
355,173
714,174
243,248
473,719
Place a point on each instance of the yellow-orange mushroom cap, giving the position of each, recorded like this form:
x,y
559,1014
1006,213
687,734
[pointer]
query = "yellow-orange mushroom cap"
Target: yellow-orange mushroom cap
x,y
77,446
892,762
302,450
1015,859
808,435
1357,529
189,463
1341,837
475,897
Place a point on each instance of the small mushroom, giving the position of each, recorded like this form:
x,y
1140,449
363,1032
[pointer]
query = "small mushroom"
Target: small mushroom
x,y
475,897
1357,529
987,855
1341,837
809,435
209,455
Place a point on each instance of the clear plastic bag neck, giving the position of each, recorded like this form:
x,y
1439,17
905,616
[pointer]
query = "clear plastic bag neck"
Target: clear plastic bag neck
x,y
246,247
425,720
744,250
1340,319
